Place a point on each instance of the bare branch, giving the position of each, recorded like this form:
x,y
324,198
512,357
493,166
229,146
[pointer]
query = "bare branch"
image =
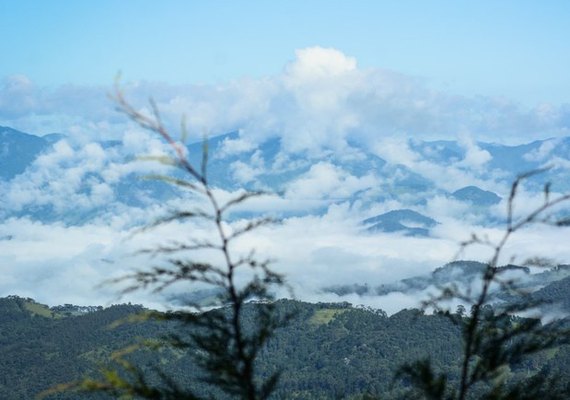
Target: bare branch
x,y
240,199
226,352
251,225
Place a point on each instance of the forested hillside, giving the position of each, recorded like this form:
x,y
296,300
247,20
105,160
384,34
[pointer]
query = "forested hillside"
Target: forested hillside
x,y
326,351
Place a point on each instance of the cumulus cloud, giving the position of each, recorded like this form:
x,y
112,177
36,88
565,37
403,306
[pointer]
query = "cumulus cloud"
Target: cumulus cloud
x,y
319,105
543,153
321,98
325,180
448,174
72,178
234,146
396,151
317,63
17,96
55,263
247,172
57,179
474,156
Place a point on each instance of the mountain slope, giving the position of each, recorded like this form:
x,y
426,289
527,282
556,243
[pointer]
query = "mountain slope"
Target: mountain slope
x,y
328,350
408,222
18,150
476,196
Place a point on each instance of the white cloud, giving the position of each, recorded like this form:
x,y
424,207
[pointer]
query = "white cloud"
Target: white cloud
x,y
74,178
17,96
320,99
474,156
234,146
542,154
451,175
247,172
319,103
396,151
325,180
317,63
58,264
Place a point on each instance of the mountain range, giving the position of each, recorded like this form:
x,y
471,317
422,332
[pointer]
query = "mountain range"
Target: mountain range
x,y
547,285
50,178
329,350
408,222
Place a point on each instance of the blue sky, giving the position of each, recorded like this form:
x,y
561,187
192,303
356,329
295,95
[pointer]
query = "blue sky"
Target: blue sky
x,y
311,71
517,49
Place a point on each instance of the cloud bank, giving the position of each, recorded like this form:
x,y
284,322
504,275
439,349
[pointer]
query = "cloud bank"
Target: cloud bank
x,y
320,104
321,98
57,264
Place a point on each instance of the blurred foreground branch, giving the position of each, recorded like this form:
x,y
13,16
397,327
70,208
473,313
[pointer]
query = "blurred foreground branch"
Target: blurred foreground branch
x,y
497,337
223,342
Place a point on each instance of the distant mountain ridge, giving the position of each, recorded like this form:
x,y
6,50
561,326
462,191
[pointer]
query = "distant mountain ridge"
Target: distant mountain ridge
x,y
477,196
548,285
408,222
18,150
355,175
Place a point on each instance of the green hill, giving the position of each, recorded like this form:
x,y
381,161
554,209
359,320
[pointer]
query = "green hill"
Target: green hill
x,y
327,351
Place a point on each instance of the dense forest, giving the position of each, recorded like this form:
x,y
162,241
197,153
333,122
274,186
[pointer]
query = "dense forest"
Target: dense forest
x,y
328,350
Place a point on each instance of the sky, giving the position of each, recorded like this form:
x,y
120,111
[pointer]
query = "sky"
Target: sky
x,y
317,74
517,49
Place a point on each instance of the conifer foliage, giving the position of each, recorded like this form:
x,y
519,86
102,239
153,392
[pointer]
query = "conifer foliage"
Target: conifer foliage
x,y
224,341
497,337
